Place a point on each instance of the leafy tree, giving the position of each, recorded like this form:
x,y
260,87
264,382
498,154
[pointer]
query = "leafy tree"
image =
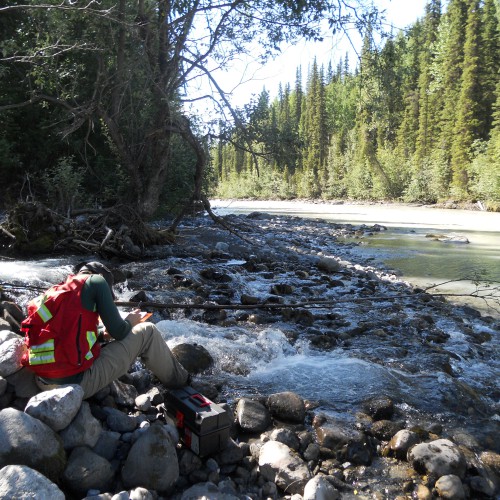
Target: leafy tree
x,y
120,69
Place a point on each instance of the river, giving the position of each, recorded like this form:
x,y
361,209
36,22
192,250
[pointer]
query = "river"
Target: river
x,y
438,366
458,268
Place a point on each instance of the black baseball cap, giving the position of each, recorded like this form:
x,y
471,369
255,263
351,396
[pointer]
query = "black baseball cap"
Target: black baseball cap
x,y
97,268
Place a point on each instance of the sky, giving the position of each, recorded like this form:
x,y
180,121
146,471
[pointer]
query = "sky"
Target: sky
x,y
247,78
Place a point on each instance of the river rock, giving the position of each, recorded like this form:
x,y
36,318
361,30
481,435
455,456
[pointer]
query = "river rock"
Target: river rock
x,y
3,386
143,402
252,416
379,408
328,265
440,458
193,357
84,430
152,461
119,421
447,238
24,383
107,444
25,440
287,406
450,486
86,471
319,488
281,465
482,486
286,436
21,481
123,394
491,460
11,352
7,335
401,442
385,429
207,491
57,407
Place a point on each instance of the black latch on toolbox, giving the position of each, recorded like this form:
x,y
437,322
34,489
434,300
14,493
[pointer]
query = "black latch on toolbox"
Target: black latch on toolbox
x,y
203,425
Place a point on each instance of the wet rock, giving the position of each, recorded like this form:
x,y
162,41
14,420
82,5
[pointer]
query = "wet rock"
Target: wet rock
x,y
347,444
319,488
215,275
86,470
482,486
11,352
379,408
440,458
287,406
401,442
328,265
450,487
249,300
84,430
57,407
447,238
491,460
20,481
385,429
25,440
193,357
252,416
281,465
152,461
282,289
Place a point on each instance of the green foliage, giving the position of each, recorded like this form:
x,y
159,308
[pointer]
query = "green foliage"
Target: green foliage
x,y
63,185
418,120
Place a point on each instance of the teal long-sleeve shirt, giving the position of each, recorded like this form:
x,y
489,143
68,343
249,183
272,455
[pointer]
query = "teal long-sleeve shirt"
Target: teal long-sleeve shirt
x,y
96,296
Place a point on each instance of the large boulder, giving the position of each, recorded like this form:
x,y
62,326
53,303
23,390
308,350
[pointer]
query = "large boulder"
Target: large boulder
x,y
252,416
347,444
441,457
287,406
152,461
20,481
84,430
57,407
25,440
281,465
87,470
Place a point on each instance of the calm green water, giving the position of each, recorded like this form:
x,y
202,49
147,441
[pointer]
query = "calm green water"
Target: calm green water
x,y
404,246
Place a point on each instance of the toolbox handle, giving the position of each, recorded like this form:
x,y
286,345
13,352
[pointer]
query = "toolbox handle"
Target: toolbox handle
x,y
200,400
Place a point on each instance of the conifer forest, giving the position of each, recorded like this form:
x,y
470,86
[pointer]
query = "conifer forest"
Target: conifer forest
x,y
415,119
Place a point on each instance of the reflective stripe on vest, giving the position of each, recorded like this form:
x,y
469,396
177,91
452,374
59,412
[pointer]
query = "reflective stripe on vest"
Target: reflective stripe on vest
x,y
91,339
42,354
44,313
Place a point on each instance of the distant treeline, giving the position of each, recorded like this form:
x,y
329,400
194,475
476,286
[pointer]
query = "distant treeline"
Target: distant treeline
x,y
417,120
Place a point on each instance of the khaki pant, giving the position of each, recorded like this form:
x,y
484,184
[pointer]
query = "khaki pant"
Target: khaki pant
x,y
144,342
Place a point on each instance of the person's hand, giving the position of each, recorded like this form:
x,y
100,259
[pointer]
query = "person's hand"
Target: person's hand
x,y
134,317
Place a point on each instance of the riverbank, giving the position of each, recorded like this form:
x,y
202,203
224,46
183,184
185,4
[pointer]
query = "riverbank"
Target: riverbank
x,y
361,356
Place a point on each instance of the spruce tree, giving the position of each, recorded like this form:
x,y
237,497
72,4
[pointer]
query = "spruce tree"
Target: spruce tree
x,y
468,118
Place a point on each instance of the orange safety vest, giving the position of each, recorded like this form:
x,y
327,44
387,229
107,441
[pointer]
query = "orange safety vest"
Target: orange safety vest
x,y
61,336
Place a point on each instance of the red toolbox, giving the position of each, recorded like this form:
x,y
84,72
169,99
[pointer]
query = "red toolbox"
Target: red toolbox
x,y
203,425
